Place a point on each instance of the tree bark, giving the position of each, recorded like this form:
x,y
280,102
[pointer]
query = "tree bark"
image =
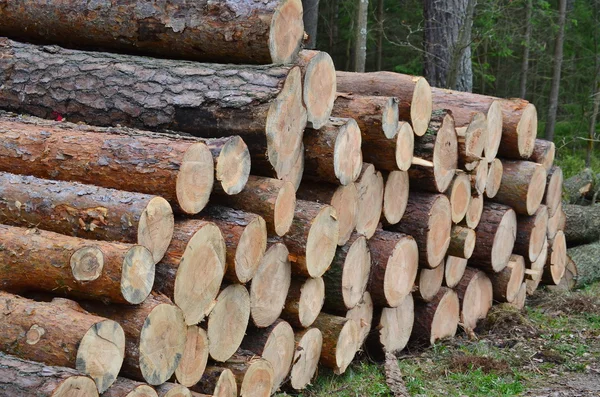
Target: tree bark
x,y
586,260
340,341
526,45
594,117
311,22
445,308
583,224
376,116
304,301
462,242
306,357
543,153
523,186
380,33
578,187
360,35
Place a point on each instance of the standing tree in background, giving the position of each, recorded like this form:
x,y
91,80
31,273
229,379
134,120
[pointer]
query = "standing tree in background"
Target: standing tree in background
x,y
360,37
526,45
556,70
379,20
311,20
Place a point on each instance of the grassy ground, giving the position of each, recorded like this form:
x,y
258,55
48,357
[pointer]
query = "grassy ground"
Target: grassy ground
x,y
554,341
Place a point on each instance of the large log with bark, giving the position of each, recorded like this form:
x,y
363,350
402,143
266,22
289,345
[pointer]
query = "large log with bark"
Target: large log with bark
x,y
370,188
392,328
340,341
308,344
194,358
318,86
476,295
581,187
462,242
523,186
507,283
437,319
583,224
37,260
585,258
61,333
531,233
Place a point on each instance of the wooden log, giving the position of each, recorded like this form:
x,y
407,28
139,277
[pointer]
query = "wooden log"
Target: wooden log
x,y
459,195
557,222
392,328
437,319
308,344
522,186
370,188
275,344
395,260
318,86
124,387
496,234
333,153
553,190
253,374
556,262
577,189
37,260
304,301
193,268
194,357
454,270
535,270
218,382
474,212
462,242
347,278
428,220
28,378
362,314
585,258
494,178
568,282
270,285
173,390
86,211
472,139
440,147
476,296
340,341
507,283
531,233
478,177
543,153
267,110
413,93
344,199
61,333
376,116
428,283
583,224
519,302
395,196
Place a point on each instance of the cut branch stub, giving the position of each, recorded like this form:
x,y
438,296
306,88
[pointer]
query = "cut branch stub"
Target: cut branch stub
x,y
531,233
494,178
304,301
370,188
319,86
476,296
523,186
496,234
507,283
309,343
437,319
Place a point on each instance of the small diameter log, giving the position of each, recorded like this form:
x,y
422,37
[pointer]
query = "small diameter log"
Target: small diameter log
x,y
437,319
583,223
227,322
194,357
474,212
318,86
370,188
333,153
270,285
340,341
343,198
440,147
395,261
362,314
413,93
395,196
180,171
519,129
557,222
347,278
479,176
37,260
543,153
429,282
585,258
245,237
519,302
193,268
272,199
173,390
61,333
556,262
275,344
472,139
495,127
86,211
376,116
428,219
535,270
570,279
392,328
28,378
523,186
454,270
462,242
389,152
496,234
554,188
476,296
494,178
507,283
304,301
531,233
308,344
580,187
124,387
217,382
254,375
459,195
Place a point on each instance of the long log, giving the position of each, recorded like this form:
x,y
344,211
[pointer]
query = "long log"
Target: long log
x,y
523,186
531,233
370,188
543,153
459,194
583,224
476,295
585,258
362,314
61,333
304,301
395,196
413,93
308,344
253,374
437,319
554,189
124,387
494,178
28,378
392,328
218,382
340,341
556,262
194,358
535,270
507,283
454,270
37,260
429,282
462,242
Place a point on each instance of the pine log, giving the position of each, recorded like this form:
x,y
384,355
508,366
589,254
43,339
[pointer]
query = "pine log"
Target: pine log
x,y
531,233
376,116
86,211
494,178
507,283
496,234
362,314
270,285
304,301
479,176
155,333
462,242
266,110
459,195
543,153
413,93
395,260
569,280
439,146
428,220
333,153
61,333
556,262
173,390
472,139
523,186
370,188
253,374
557,222
124,387
340,341
318,86
437,319
454,270
583,224
37,260
428,283
474,212
554,187
193,268
392,328
519,302
476,296
218,382
308,344
275,344
579,187
344,199
390,154
586,261
245,237
194,357
535,270
347,278
395,196
28,378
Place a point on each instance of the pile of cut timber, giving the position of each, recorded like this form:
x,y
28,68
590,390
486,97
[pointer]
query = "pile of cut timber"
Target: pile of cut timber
x,y
170,227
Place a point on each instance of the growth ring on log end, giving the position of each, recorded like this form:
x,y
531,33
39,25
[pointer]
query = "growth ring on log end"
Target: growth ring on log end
x,y
287,29
155,228
233,165
319,86
195,179
285,205
421,106
527,131
347,159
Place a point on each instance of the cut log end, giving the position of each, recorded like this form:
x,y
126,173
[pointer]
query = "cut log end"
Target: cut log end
x,y
285,206
194,358
258,379
475,137
76,386
173,390
557,261
370,200
445,318
460,196
355,274
429,282
421,106
527,131
279,351
516,268
405,145
345,202
474,211
142,391
87,263
286,32
462,242
494,131
504,240
312,297
438,231
537,237
347,159
195,179
155,227
322,241
362,314
553,194
401,271
346,346
476,300
454,270
389,118
306,358
479,176
250,249
544,153
536,189
137,276
494,178
535,270
395,196
519,301
226,385
228,321
445,154
233,165
396,324
319,88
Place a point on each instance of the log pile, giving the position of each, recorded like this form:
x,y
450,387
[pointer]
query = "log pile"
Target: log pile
x,y
227,228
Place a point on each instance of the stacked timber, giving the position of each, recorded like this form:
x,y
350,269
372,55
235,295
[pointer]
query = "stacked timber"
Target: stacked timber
x,y
228,216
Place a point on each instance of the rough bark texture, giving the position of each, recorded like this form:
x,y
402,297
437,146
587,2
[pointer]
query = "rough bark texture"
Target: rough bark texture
x,y
522,186
360,35
583,224
581,187
376,116
543,153
340,341
444,308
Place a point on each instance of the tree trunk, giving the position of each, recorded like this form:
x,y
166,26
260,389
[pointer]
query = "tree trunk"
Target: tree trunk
x,y
395,196
553,190
429,282
543,153
437,319
583,224
194,358
253,375
380,34
586,260
526,45
61,333
392,328
124,387
306,357
476,296
360,35
523,186
594,117
507,283
217,381
531,234
304,302
370,200
311,21
340,341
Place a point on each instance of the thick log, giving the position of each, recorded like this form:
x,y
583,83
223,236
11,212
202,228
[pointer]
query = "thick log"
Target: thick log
x,y
543,153
270,285
580,187
37,260
124,387
413,93
86,211
523,186
437,319
395,196
454,270
304,301
340,341
462,242
585,258
253,374
308,344
583,224
392,328
474,212
459,195
218,382
61,333
531,233
428,220
494,178
362,314
318,86
479,176
553,190
535,270
496,234
370,188
395,260
507,283
376,116
194,357
193,268
476,296
333,153
155,333
557,222
428,283
472,139
556,262
28,378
